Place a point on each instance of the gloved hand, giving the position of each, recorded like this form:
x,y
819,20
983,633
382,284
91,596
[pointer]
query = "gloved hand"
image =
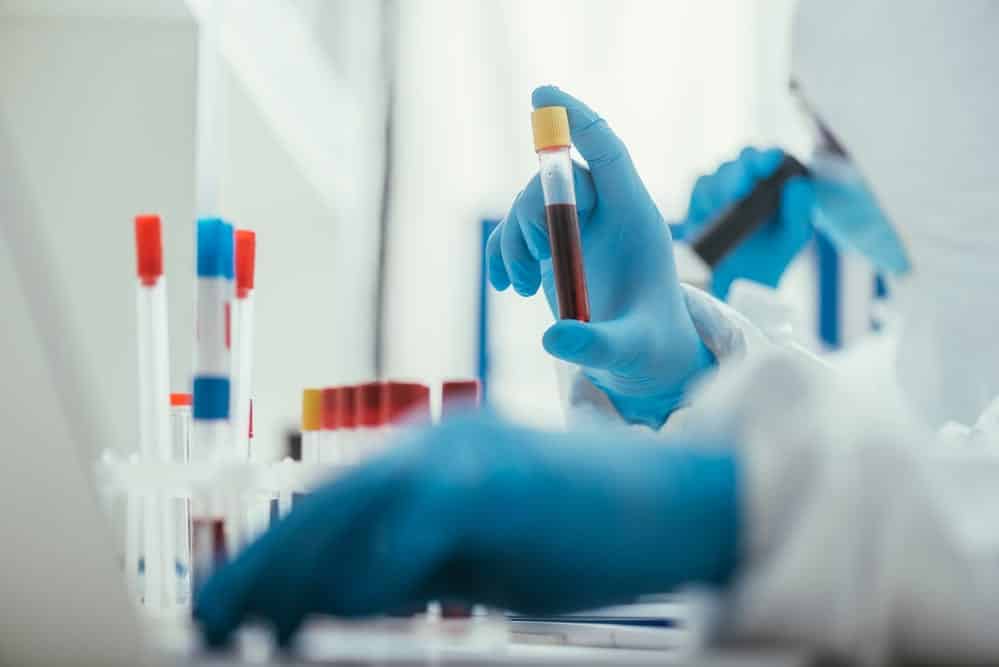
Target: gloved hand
x,y
484,512
766,253
641,347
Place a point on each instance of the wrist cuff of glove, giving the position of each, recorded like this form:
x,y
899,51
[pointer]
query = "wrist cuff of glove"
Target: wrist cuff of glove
x,y
654,409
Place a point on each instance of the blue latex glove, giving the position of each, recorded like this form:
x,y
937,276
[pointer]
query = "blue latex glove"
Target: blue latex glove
x,y
641,348
766,253
484,512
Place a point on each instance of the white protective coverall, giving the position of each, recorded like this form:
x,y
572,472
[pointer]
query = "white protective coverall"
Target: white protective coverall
x,y
871,515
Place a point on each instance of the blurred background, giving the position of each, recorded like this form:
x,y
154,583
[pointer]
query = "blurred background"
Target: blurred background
x,y
366,142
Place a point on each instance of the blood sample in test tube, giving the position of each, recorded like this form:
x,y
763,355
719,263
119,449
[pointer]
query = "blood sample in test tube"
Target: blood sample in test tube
x,y
552,142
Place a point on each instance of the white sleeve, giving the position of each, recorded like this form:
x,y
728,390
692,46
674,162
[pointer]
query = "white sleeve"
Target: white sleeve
x,y
859,536
730,336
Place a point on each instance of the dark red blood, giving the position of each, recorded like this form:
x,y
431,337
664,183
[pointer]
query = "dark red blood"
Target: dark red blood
x,y
567,262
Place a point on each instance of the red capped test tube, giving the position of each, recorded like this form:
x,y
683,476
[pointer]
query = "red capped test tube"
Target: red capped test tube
x,y
370,416
458,397
347,435
329,423
552,142
406,404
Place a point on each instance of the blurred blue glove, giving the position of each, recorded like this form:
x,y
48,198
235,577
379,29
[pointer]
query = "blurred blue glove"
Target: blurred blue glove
x,y
484,512
641,348
766,253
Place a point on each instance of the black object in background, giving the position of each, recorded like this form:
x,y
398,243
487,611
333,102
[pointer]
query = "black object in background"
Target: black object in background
x,y
731,227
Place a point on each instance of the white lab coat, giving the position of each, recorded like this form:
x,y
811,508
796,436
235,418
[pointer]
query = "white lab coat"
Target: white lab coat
x,y
863,532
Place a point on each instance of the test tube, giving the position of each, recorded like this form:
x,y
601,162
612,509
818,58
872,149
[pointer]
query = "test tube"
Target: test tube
x,y
552,142
330,423
311,422
459,397
369,417
347,434
180,430
154,392
242,340
405,404
208,547
211,426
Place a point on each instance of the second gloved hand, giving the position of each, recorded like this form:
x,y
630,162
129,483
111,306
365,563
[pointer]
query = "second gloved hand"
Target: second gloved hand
x,y
766,253
641,347
484,512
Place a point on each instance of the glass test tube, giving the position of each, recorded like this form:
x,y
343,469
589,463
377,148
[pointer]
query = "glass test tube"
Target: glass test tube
x,y
328,452
154,417
180,508
552,142
311,423
369,416
242,341
347,434
458,397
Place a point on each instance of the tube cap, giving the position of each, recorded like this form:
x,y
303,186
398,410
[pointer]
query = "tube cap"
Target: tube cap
x,y
551,127
180,399
347,397
331,408
246,254
458,396
311,409
369,404
211,252
148,248
406,403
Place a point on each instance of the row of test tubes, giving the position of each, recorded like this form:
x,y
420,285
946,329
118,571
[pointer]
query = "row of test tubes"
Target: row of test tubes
x,y
177,531
167,529
344,425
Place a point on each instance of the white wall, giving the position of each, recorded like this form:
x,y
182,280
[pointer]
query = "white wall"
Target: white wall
x,y
98,116
97,104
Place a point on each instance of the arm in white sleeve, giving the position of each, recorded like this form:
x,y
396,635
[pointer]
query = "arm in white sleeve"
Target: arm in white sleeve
x,y
860,536
727,333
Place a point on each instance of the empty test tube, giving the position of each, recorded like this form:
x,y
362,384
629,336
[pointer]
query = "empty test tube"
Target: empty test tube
x,y
330,419
311,422
211,427
242,340
347,433
154,410
405,404
458,397
369,416
180,432
552,142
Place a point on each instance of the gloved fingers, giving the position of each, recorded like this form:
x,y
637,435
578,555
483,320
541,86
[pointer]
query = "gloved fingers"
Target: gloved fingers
x,y
700,209
274,578
599,345
530,210
495,268
731,182
614,174
761,162
796,203
520,262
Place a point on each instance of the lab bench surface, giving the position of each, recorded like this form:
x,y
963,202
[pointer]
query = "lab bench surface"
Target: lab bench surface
x,y
392,648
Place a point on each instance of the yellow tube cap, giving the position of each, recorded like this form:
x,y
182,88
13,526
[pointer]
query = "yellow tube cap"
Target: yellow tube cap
x,y
312,400
551,127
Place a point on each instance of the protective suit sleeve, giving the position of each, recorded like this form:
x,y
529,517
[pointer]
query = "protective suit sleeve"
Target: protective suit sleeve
x,y
730,336
862,538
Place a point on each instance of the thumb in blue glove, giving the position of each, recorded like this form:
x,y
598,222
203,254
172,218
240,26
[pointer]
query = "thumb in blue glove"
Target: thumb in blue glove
x,y
641,347
483,512
766,253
